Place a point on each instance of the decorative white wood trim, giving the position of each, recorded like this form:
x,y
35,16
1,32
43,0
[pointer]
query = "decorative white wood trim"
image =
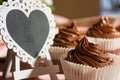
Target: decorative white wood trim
x,y
26,6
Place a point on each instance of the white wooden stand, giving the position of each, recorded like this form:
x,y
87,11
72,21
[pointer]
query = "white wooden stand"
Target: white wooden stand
x,y
39,65
13,65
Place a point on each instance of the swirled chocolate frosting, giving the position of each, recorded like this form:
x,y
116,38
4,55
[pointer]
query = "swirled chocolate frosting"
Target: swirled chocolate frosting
x,y
68,36
88,54
103,29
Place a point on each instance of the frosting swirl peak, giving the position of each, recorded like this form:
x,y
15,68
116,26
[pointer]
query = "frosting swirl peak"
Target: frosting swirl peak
x,y
68,36
103,29
88,54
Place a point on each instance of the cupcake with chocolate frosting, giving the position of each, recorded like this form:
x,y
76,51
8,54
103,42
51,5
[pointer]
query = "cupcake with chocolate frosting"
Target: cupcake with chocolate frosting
x,y
67,38
106,35
89,62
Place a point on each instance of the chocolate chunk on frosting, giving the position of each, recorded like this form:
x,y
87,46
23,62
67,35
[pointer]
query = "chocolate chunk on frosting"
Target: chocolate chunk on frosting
x,y
88,54
68,36
103,29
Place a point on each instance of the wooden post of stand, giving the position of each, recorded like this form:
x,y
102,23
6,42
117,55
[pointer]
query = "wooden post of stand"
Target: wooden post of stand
x,y
17,66
52,76
9,63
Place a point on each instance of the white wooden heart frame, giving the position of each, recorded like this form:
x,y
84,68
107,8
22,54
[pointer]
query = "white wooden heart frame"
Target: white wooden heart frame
x,y
13,58
26,6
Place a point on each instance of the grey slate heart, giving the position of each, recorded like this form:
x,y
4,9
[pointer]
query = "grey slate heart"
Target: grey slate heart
x,y
30,33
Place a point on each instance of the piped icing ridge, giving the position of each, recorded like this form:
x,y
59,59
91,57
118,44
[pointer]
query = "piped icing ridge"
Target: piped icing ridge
x,y
103,29
88,54
68,36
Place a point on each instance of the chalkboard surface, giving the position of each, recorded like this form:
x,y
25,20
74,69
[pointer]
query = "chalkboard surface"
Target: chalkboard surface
x,y
30,33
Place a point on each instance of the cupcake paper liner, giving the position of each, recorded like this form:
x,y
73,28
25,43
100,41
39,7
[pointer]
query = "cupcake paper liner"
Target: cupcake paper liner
x,y
56,53
75,71
106,44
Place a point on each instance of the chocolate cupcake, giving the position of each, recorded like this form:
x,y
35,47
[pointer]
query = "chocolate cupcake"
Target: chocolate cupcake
x,y
67,38
88,62
104,34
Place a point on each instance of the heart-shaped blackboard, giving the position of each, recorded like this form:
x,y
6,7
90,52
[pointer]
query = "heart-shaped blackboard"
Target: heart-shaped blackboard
x,y
31,32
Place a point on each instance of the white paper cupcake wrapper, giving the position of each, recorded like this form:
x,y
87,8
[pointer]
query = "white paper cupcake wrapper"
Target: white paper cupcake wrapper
x,y
56,52
106,44
73,71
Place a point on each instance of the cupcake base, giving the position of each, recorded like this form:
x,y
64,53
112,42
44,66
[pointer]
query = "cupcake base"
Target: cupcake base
x,y
56,53
108,45
75,71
